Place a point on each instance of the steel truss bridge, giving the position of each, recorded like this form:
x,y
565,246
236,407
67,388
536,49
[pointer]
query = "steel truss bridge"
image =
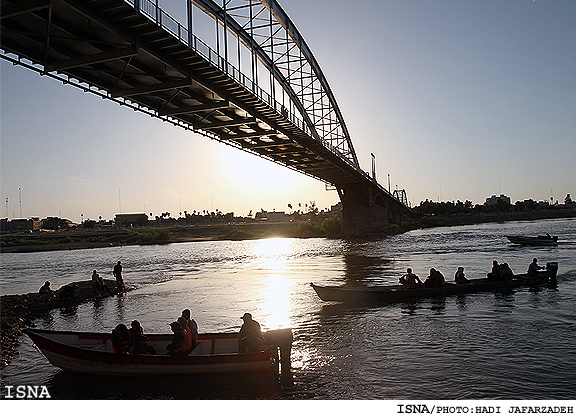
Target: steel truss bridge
x,y
237,71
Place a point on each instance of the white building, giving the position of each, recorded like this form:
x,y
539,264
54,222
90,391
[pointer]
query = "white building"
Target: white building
x,y
493,200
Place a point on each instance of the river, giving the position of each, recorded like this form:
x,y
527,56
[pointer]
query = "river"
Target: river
x,y
513,345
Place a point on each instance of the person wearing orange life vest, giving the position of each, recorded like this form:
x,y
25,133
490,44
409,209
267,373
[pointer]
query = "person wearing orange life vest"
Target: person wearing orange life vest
x,y
182,341
192,325
121,339
435,279
410,280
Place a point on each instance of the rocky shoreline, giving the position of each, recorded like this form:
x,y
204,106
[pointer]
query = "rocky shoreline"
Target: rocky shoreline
x,y
18,311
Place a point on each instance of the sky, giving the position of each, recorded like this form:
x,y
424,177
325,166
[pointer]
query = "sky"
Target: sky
x,y
457,99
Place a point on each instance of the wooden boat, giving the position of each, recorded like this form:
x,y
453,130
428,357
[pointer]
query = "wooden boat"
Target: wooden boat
x,y
533,240
399,293
214,353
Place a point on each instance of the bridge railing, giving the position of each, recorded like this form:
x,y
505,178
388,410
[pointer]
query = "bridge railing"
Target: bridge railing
x,y
178,30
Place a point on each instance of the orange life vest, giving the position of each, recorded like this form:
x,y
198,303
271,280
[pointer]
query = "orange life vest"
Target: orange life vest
x,y
120,343
186,342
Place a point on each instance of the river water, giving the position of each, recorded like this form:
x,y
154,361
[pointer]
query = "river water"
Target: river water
x,y
512,345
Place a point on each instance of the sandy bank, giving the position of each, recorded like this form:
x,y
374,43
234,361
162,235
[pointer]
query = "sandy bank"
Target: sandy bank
x,y
18,311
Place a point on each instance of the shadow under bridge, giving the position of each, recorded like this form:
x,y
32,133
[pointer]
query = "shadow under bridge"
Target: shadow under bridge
x,y
236,71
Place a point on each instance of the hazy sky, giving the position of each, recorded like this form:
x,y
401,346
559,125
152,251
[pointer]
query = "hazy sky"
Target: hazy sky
x,y
457,99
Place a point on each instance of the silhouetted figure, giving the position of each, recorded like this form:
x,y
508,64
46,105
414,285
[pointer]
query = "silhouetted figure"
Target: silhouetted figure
x,y
410,280
506,272
181,343
97,281
460,277
46,292
117,272
495,274
435,279
533,268
121,340
192,326
250,338
139,341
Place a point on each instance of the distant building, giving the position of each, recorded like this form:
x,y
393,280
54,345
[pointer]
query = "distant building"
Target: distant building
x,y
130,220
493,200
337,208
272,216
21,225
55,223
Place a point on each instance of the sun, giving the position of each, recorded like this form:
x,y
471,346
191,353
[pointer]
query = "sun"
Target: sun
x,y
258,174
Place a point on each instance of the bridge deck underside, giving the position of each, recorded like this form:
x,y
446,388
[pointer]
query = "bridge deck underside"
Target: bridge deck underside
x,y
109,45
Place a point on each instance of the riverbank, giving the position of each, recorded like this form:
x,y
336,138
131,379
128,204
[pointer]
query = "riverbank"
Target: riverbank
x,y
19,311
435,221
98,238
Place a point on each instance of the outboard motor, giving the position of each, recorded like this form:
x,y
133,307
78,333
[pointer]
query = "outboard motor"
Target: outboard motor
x,y
552,267
282,339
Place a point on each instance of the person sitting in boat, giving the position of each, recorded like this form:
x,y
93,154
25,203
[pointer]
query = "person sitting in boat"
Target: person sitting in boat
x,y
46,292
435,279
121,341
410,280
181,342
250,338
495,274
506,272
97,281
460,277
533,268
192,326
139,341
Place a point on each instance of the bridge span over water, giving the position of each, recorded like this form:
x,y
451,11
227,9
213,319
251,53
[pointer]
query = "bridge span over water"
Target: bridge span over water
x,y
237,71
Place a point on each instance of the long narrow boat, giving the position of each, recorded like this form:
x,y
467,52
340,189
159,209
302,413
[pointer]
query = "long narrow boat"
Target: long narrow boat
x,y
399,293
533,240
215,353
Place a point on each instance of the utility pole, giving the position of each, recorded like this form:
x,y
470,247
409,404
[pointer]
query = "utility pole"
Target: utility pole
x,y
20,195
373,166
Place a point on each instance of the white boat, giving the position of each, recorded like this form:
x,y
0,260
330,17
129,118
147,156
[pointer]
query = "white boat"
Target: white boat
x,y
214,353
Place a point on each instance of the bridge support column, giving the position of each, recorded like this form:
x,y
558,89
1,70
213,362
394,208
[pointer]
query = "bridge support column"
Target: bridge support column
x,y
360,215
366,210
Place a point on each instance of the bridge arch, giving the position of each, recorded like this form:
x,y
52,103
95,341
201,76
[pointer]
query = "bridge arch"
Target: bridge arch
x,y
270,36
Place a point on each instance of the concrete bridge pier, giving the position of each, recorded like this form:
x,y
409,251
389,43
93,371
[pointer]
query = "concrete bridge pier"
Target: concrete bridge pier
x,y
368,211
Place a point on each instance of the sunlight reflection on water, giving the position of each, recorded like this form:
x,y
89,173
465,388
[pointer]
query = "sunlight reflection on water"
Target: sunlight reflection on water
x,y
432,349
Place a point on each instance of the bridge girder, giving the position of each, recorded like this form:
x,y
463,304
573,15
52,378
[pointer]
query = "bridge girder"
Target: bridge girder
x,y
125,52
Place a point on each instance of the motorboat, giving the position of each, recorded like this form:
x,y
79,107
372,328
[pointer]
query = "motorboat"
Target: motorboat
x,y
399,293
533,240
93,353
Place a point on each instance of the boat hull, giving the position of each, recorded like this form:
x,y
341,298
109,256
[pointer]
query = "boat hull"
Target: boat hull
x,y
529,240
91,353
398,293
